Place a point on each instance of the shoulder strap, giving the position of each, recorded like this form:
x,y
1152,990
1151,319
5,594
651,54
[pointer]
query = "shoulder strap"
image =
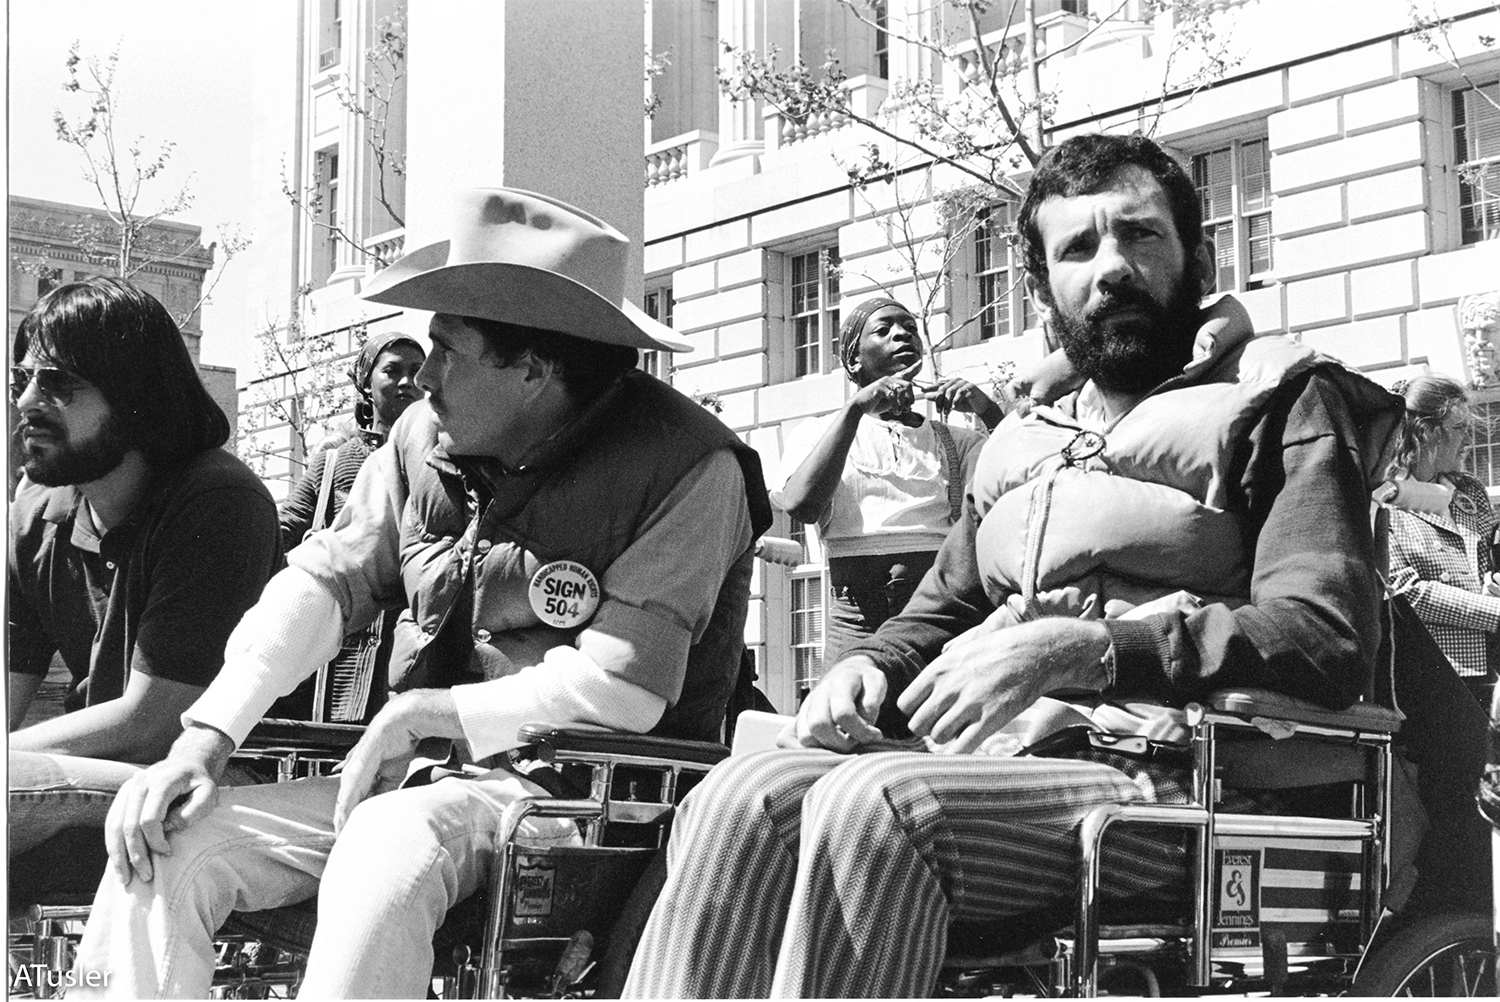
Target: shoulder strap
x,y
322,516
953,472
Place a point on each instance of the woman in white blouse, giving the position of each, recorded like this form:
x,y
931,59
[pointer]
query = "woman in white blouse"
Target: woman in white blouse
x,y
882,483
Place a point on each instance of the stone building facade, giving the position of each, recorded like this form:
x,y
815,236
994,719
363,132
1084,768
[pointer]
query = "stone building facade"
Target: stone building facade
x,y
52,243
1348,162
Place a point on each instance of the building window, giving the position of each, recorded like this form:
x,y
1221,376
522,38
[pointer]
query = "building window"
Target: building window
x,y
1476,145
1000,302
797,533
47,279
807,629
814,310
332,164
330,34
325,213
659,305
1234,191
882,42
1482,455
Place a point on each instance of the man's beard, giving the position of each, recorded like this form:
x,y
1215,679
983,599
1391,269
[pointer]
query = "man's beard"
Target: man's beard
x,y
1135,355
61,460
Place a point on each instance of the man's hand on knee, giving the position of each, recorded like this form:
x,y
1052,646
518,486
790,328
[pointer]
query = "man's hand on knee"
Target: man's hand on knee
x,y
380,760
969,692
840,712
166,797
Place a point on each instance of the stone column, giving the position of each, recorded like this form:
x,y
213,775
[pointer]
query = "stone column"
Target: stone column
x,y
353,153
526,94
750,25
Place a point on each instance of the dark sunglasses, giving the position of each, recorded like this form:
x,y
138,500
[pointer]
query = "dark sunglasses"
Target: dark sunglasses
x,y
57,385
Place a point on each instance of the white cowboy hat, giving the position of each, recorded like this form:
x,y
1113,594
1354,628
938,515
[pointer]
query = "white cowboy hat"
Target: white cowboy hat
x,y
523,258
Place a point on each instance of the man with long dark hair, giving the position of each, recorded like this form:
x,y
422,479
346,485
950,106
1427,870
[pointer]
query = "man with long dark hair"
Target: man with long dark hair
x,y
136,545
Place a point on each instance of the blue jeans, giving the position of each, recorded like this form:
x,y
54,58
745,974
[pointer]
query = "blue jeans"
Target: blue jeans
x,y
49,793
57,808
400,862
867,591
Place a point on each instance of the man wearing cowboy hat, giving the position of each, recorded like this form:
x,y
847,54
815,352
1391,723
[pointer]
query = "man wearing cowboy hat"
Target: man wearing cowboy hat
x,y
572,539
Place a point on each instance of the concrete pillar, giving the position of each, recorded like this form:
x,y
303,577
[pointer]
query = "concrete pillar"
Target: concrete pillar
x,y
526,94
353,153
755,26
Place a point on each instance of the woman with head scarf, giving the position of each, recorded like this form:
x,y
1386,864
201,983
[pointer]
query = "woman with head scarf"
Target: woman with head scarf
x,y
351,687
1442,530
882,483
384,374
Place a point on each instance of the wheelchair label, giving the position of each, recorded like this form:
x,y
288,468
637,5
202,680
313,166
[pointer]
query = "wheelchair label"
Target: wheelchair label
x,y
535,877
1237,903
564,594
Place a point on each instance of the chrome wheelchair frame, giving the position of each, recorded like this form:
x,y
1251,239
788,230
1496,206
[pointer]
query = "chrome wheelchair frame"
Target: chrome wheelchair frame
x,y
1358,750
633,783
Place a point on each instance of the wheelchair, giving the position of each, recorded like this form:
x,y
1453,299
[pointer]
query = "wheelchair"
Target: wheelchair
x,y
1279,903
1296,902
1286,904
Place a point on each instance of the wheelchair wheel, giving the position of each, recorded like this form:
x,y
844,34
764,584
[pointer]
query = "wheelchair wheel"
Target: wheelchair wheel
x,y
1442,956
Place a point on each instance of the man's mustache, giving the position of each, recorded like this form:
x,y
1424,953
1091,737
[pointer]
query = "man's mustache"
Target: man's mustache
x,y
43,425
1124,299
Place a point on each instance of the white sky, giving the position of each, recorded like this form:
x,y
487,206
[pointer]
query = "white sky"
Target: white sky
x,y
183,75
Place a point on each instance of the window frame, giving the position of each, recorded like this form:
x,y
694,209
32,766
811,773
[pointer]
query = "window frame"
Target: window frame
x,y
1240,219
968,286
1460,159
323,239
1482,451
828,311
653,361
806,583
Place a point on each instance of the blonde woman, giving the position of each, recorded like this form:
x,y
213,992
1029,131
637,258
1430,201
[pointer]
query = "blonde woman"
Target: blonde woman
x,y
1441,552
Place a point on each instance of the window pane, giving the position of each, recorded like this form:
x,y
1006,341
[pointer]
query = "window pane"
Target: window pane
x,y
815,314
1482,456
1221,239
805,345
804,291
831,293
992,271
1479,202
1255,176
1259,238
807,629
1476,142
1213,175
1476,122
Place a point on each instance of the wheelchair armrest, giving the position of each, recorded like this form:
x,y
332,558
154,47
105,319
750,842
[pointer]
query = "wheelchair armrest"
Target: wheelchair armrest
x,y
273,734
1367,718
551,739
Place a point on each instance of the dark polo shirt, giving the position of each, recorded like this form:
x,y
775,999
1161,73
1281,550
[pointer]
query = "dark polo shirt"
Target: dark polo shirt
x,y
158,594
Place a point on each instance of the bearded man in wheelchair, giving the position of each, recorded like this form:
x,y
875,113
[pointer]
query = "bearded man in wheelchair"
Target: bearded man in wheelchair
x,y
1193,517
573,542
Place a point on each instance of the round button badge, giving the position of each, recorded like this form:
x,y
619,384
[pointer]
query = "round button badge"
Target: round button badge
x,y
564,594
